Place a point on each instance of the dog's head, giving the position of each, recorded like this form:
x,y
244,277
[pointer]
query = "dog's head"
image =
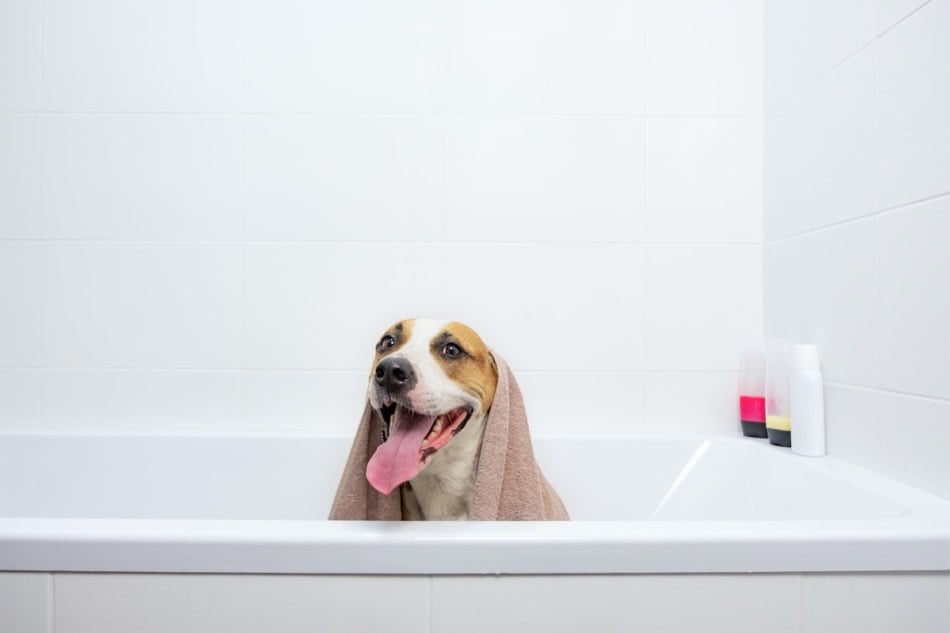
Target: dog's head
x,y
429,381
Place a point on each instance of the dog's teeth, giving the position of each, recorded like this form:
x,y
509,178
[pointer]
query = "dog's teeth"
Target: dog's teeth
x,y
436,429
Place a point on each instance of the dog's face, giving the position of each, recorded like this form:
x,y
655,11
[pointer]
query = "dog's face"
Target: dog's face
x,y
429,381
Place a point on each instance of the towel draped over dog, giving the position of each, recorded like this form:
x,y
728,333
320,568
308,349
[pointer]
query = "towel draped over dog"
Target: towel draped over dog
x,y
509,485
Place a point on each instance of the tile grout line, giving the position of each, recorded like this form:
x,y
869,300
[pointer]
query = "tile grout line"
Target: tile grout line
x,y
51,603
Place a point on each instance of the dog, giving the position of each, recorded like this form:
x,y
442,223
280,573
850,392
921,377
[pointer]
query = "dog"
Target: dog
x,y
432,383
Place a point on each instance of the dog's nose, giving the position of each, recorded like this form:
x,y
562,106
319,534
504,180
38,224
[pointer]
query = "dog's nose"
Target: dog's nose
x,y
395,374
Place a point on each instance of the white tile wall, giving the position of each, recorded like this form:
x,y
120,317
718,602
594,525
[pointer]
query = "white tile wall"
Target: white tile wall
x,y
141,305
687,402
914,97
820,151
21,55
701,301
914,338
141,176
324,305
316,177
805,39
130,401
370,56
209,211
21,303
152,56
704,180
20,398
544,178
890,434
821,288
543,57
871,291
21,169
890,12
704,57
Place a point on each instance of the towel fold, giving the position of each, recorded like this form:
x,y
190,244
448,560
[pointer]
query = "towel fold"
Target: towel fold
x,y
509,485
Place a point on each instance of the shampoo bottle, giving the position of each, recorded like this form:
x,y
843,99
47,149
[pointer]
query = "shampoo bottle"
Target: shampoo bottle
x,y
778,415
808,403
752,389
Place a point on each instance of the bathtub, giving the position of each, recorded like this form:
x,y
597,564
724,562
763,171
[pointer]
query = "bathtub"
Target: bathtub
x,y
256,504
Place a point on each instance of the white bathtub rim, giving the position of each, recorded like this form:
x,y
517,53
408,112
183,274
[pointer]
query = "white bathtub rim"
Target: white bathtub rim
x,y
589,547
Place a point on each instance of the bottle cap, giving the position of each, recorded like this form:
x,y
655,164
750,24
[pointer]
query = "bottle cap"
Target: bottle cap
x,y
805,357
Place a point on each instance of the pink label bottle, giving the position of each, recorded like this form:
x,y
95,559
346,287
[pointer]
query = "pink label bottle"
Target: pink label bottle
x,y
752,389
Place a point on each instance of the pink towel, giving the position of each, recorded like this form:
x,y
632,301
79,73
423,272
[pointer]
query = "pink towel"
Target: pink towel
x,y
509,485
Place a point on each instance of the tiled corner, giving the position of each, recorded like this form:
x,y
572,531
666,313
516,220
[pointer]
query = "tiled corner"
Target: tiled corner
x,y
902,437
704,403
821,288
702,301
24,602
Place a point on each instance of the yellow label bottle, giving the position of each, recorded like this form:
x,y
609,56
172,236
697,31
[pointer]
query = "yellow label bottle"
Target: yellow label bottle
x,y
778,422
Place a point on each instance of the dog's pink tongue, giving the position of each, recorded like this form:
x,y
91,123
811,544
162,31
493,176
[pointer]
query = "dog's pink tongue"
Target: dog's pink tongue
x,y
398,459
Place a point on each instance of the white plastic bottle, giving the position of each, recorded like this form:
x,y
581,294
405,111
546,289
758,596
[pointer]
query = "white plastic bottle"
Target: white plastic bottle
x,y
807,402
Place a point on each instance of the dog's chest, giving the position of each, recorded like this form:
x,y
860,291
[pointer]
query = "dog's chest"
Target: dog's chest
x,y
444,490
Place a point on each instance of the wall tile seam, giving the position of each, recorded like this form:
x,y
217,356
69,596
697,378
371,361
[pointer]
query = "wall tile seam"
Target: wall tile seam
x,y
907,206
878,36
808,232
891,392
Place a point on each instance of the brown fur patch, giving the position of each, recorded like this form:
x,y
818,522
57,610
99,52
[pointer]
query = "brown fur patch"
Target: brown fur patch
x,y
476,370
401,332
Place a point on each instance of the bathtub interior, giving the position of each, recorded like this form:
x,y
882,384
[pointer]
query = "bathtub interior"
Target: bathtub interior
x,y
293,477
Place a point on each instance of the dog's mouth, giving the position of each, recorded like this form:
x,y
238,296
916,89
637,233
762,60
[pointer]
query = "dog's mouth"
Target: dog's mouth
x,y
412,439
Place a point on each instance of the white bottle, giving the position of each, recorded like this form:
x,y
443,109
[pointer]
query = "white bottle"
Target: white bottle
x,y
807,402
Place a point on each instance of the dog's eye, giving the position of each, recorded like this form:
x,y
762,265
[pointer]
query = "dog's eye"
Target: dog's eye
x,y
451,350
386,342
